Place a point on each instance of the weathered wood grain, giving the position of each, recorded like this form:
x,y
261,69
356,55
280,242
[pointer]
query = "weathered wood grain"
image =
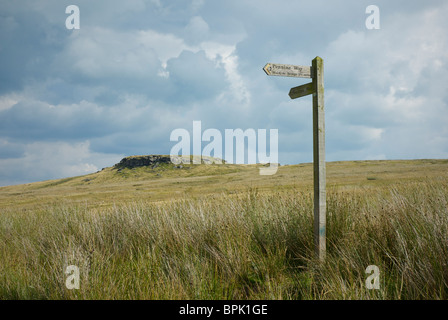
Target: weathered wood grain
x,y
320,194
301,91
287,70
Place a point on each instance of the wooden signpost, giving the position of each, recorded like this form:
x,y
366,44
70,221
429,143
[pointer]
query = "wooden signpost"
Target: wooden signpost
x,y
316,87
287,70
301,91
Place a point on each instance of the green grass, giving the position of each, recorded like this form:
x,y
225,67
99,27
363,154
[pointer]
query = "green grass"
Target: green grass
x,y
253,241
109,186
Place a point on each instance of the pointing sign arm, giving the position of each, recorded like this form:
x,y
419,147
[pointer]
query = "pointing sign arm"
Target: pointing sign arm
x,y
287,70
301,91
316,72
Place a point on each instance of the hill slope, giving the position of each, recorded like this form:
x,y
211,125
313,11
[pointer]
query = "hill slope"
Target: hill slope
x,y
233,234
165,181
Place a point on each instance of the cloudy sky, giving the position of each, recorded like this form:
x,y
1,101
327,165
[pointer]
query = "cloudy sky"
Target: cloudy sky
x,y
74,101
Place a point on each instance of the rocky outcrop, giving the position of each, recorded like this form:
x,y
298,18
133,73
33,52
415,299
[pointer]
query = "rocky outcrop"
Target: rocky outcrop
x,y
142,161
153,161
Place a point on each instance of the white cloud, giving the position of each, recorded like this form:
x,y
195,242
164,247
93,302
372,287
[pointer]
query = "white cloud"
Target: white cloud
x,y
103,53
99,53
378,81
139,69
51,160
165,46
225,55
197,30
8,100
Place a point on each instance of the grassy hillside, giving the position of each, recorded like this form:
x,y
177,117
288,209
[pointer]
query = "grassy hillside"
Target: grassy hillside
x,y
164,183
224,231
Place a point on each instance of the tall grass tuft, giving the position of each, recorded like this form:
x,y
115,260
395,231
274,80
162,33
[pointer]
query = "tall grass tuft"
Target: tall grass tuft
x,y
251,245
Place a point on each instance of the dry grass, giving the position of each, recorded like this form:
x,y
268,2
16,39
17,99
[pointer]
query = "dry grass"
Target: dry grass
x,y
110,187
251,244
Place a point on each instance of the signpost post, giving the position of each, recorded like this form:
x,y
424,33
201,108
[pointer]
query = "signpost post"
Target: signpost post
x,y
316,88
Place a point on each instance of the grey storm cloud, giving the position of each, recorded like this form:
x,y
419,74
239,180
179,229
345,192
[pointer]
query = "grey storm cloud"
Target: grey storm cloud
x,y
33,121
137,70
194,77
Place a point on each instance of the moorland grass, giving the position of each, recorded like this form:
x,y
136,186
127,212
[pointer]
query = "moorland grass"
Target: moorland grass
x,y
249,245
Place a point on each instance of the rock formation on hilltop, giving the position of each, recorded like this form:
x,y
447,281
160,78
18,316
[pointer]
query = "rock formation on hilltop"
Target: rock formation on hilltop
x,y
142,161
154,161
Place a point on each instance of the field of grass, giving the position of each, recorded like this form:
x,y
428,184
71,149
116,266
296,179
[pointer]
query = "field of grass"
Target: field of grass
x,y
225,232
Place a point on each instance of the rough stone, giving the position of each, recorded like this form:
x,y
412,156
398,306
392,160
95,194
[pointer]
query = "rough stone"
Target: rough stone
x,y
153,161
142,161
